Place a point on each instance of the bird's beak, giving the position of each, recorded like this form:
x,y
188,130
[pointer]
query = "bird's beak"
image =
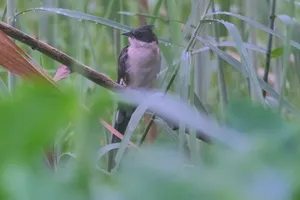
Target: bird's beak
x,y
128,34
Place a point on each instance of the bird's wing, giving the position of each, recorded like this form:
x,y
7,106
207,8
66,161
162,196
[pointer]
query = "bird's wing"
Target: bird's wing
x,y
123,77
124,112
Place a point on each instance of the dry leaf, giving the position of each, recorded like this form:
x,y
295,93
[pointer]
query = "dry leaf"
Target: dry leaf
x,y
115,132
18,62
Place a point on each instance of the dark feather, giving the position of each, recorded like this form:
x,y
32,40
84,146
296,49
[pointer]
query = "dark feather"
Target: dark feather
x,y
124,112
123,76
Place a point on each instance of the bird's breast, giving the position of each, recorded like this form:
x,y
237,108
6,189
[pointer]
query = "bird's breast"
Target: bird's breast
x,y
144,65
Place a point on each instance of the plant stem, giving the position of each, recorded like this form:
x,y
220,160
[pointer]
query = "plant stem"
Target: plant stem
x,y
153,115
4,13
156,11
269,48
221,76
11,8
286,54
193,139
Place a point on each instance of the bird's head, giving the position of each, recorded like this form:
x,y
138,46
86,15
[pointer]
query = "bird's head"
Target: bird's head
x,y
142,35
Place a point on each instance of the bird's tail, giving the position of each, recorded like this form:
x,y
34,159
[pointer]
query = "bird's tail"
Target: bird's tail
x,y
123,117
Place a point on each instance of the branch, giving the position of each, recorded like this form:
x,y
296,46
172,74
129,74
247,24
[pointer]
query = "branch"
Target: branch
x,y
74,65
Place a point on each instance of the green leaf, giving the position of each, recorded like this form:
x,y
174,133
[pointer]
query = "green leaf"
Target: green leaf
x,y
232,44
237,65
87,17
3,88
156,11
256,119
246,61
153,17
289,21
257,25
174,110
30,119
103,150
183,83
133,123
277,52
68,154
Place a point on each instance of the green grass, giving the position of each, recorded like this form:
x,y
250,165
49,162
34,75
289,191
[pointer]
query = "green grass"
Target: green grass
x,y
255,149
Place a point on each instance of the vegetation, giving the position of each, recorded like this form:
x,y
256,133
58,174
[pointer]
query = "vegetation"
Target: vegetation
x,y
230,69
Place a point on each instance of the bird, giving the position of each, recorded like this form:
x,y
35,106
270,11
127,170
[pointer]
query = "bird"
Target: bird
x,y
139,63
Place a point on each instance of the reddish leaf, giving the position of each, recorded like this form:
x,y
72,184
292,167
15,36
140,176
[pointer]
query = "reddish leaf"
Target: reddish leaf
x,y
115,132
61,73
18,62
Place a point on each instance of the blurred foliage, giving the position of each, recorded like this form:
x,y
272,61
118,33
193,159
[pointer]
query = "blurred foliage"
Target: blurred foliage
x,y
37,121
34,113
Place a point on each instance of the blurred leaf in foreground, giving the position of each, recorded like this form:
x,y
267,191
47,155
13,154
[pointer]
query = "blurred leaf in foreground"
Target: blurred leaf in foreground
x,y
30,119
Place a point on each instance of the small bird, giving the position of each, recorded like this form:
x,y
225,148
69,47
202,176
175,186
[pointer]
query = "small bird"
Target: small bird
x,y
138,66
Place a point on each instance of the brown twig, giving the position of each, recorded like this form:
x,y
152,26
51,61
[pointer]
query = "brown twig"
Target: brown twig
x,y
116,133
74,65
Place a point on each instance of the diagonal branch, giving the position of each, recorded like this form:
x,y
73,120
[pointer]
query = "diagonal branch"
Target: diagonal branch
x,y
74,65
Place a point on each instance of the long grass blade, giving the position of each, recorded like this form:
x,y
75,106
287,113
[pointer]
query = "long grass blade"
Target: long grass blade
x,y
221,76
84,16
237,65
11,9
245,58
152,17
286,54
156,11
259,26
290,21
183,87
164,104
4,13
232,44
133,123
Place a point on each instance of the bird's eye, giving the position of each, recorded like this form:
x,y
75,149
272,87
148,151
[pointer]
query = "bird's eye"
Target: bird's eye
x,y
138,34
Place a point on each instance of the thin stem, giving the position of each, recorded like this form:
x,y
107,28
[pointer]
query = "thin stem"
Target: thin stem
x,y
192,40
2,19
193,142
11,8
221,76
188,48
269,49
4,13
117,36
153,115
286,54
156,11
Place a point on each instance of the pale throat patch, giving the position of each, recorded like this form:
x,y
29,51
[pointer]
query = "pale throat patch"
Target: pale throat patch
x,y
144,61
